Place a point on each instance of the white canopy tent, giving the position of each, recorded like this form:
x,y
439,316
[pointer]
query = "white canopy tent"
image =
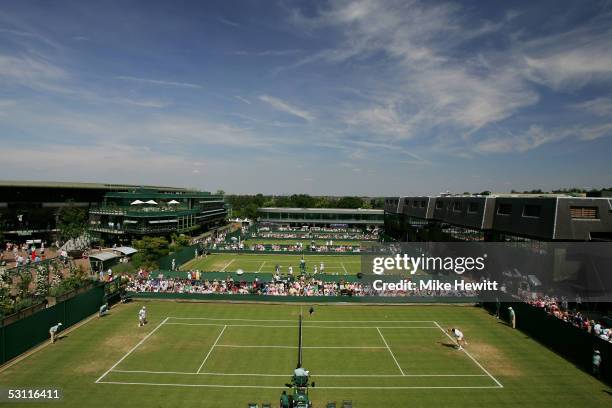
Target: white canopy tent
x,y
173,202
152,202
137,202
125,250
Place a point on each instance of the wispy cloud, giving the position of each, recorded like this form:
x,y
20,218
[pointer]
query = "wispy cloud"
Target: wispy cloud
x,y
26,69
570,59
159,82
598,106
283,106
228,22
427,85
267,53
537,136
240,98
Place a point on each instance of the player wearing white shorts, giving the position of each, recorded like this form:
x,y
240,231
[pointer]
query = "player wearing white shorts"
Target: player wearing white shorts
x,y
458,338
142,317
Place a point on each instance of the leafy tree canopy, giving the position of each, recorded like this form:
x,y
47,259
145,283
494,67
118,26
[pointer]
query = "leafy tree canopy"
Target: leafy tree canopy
x,y
72,221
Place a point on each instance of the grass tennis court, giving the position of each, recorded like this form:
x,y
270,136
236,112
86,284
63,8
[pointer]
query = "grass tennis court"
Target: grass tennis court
x,y
225,355
231,262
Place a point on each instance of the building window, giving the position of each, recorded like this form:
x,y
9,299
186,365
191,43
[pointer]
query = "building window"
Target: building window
x,y
530,210
504,209
584,213
439,205
423,204
473,208
415,204
457,206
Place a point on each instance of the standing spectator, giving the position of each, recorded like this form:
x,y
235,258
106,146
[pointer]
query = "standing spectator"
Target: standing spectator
x,y
512,316
596,363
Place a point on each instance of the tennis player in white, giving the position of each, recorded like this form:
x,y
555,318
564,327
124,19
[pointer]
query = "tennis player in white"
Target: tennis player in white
x,y
142,317
458,338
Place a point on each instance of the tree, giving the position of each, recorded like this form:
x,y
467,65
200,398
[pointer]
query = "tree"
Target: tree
x,y
150,249
350,202
72,221
179,241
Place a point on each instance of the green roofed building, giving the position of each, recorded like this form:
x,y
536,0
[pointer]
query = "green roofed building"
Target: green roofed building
x,y
29,210
123,215
321,217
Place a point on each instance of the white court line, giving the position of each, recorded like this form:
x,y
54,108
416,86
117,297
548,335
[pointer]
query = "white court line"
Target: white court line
x,y
470,356
261,266
391,352
317,321
132,349
227,264
279,388
304,327
285,375
304,347
211,349
345,271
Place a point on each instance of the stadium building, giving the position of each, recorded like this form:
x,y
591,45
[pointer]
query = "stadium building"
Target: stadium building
x,y
321,217
499,218
29,210
129,214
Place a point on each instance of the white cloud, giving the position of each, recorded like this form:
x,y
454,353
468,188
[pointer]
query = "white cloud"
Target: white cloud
x,y
160,82
240,98
27,69
537,136
228,22
266,53
571,59
427,85
597,106
40,75
283,106
430,82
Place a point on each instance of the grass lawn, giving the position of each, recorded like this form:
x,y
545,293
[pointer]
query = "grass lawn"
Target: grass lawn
x,y
225,355
334,264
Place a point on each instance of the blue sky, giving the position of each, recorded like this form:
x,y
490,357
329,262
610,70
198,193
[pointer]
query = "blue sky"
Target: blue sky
x,y
364,97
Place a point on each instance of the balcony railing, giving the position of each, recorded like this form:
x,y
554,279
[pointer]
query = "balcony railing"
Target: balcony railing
x,y
150,211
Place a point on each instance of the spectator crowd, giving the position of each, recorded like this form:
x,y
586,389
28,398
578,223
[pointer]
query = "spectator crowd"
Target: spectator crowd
x,y
560,309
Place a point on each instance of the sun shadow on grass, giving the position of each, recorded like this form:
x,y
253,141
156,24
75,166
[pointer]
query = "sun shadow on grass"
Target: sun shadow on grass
x,y
449,345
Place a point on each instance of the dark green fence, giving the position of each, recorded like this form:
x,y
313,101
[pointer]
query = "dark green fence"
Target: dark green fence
x,y
180,257
20,336
574,344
